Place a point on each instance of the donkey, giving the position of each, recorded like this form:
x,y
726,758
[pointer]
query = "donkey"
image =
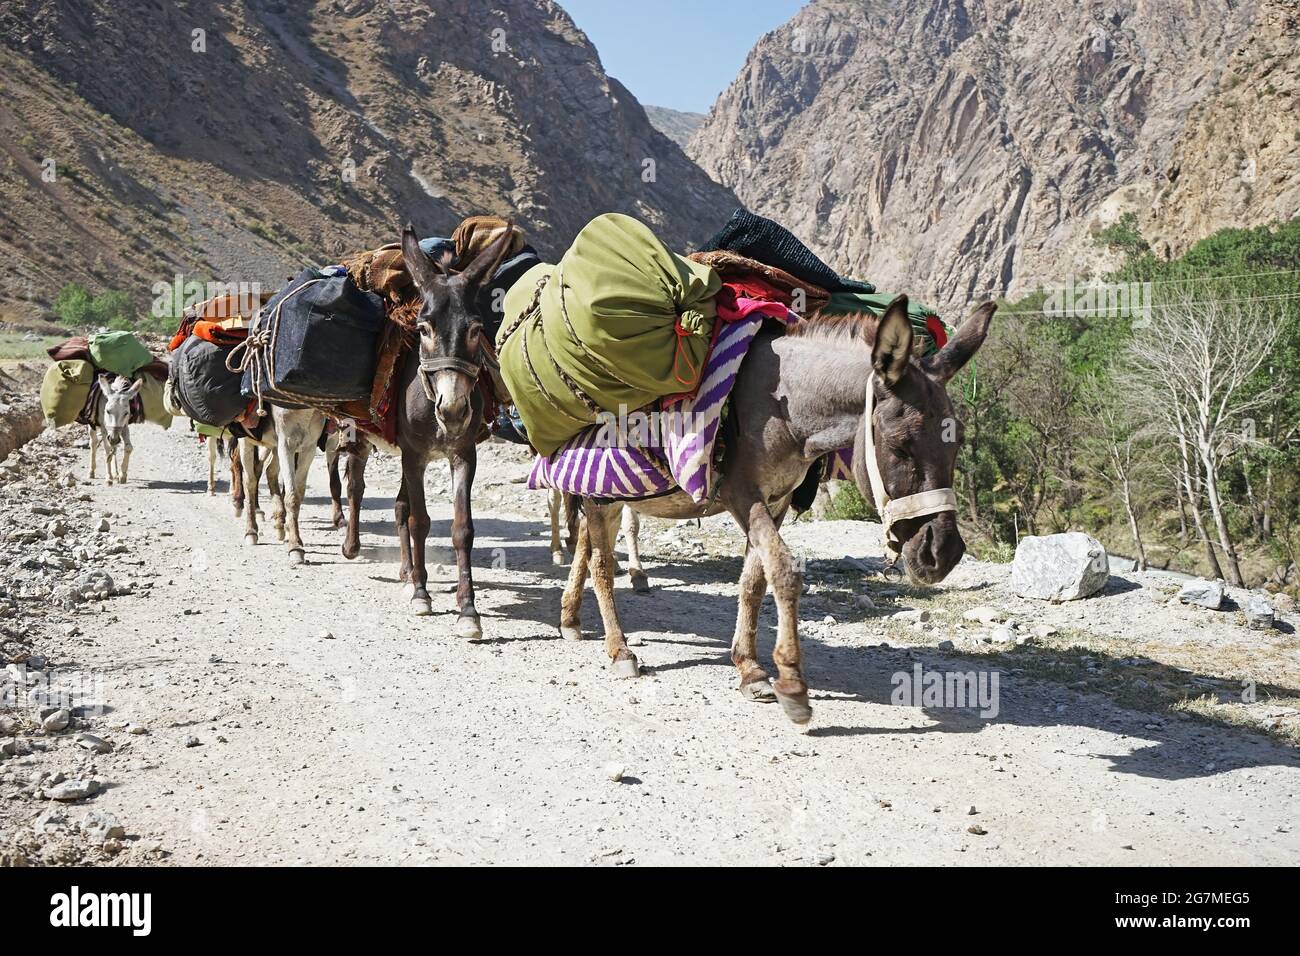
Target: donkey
x,y
822,385
440,415
111,425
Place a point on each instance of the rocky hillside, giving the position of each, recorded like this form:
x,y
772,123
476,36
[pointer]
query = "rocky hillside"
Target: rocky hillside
x,y
966,146
236,139
677,125
1237,161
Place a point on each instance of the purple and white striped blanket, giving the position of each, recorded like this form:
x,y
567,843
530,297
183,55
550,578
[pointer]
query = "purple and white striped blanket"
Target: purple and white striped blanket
x,y
653,450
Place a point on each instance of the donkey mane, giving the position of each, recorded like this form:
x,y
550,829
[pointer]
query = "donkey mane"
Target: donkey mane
x,y
853,325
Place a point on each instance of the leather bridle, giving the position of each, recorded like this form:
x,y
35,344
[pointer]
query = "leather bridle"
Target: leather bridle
x,y
894,510
448,363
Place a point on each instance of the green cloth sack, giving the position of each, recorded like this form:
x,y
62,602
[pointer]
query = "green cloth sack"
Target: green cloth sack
x,y
119,352
623,318
846,303
64,391
212,431
151,397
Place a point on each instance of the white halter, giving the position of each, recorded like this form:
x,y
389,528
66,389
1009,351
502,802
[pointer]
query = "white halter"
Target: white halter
x,y
896,509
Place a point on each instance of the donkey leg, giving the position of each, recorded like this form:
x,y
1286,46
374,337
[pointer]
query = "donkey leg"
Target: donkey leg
x,y
275,488
332,453
402,515
463,466
126,455
601,528
754,683
571,601
631,537
252,477
211,446
94,449
295,463
110,455
554,503
417,524
237,476
778,566
355,469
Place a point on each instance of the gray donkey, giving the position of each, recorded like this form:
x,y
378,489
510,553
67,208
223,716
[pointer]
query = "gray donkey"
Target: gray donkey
x,y
111,425
440,415
825,384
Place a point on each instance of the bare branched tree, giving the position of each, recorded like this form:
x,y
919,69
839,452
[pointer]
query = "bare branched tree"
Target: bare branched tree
x,y
1191,364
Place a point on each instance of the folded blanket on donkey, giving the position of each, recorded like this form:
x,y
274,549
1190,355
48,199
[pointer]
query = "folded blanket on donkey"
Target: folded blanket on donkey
x,y
618,322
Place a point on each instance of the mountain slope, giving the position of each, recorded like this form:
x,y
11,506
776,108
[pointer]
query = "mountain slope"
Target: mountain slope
x,y
286,133
677,125
960,148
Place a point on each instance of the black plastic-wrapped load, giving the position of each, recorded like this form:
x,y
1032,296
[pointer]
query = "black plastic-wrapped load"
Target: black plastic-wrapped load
x,y
771,243
207,391
316,340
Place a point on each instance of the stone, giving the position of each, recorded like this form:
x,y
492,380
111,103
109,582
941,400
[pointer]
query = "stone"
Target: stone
x,y
1003,635
97,744
100,825
984,614
614,772
1044,630
73,790
1259,613
1059,567
192,741
1202,593
56,721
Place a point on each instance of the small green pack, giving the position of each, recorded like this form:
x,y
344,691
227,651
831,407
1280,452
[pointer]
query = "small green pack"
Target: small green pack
x,y
119,352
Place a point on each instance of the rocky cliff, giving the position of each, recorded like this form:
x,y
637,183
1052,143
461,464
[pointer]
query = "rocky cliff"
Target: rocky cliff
x,y
960,148
237,139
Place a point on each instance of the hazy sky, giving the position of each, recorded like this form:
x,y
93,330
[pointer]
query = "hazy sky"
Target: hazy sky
x,y
677,53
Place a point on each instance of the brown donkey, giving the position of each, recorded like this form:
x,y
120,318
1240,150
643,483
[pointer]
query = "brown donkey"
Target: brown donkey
x,y
798,396
440,415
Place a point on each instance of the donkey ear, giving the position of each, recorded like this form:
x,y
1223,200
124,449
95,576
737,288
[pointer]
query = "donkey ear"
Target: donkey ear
x,y
134,390
486,262
963,345
893,345
417,263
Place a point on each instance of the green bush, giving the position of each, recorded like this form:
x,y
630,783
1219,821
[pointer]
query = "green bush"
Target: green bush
x,y
847,504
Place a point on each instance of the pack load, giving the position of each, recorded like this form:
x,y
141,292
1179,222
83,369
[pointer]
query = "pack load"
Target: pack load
x,y
618,322
119,352
206,390
64,391
151,402
315,341
77,348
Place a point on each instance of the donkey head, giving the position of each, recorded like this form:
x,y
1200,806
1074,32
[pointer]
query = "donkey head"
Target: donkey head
x,y
117,403
453,341
915,436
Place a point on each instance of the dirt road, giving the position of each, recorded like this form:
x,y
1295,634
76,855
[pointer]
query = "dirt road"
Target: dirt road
x,y
298,715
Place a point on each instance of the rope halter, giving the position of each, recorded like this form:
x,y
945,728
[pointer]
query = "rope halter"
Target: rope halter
x,y
893,510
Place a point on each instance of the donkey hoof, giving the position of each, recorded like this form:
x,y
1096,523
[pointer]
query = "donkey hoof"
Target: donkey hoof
x,y
469,629
250,539
796,706
297,557
421,607
557,558
640,583
625,667
758,690
351,553
279,532
571,632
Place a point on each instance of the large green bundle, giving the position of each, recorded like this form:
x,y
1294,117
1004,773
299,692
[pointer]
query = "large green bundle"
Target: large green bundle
x,y
620,321
119,352
64,391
